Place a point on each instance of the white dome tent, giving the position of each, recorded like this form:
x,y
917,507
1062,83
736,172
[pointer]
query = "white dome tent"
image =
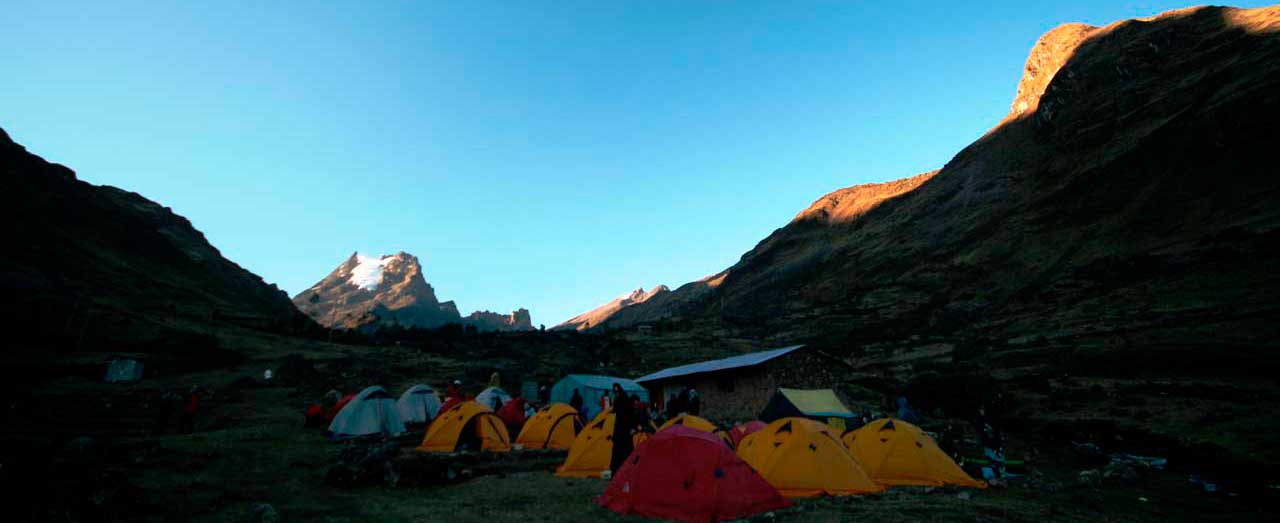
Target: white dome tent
x,y
370,413
486,396
418,405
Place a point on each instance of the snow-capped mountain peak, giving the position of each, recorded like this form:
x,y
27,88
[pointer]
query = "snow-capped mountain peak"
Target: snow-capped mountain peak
x,y
367,273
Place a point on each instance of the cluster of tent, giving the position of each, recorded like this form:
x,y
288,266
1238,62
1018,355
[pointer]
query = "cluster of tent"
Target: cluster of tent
x,y
688,473
688,469
373,412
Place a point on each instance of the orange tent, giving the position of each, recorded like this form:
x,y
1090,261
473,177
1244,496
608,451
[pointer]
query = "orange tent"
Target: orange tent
x,y
554,427
701,424
466,422
802,458
589,455
894,452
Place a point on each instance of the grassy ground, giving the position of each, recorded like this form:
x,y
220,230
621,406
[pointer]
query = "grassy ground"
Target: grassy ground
x,y
250,449
265,457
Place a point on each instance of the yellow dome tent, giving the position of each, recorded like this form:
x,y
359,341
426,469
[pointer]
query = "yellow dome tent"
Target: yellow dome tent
x,y
701,424
466,421
554,427
589,455
692,422
894,452
802,459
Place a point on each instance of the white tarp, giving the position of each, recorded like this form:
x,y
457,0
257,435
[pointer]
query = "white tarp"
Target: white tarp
x,y
486,396
123,370
419,404
371,412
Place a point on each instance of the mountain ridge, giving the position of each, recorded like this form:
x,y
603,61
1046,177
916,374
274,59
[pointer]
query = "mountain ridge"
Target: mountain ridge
x,y
368,292
1092,99
107,265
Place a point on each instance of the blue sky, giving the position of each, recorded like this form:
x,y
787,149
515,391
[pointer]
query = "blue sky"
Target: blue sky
x,y
548,155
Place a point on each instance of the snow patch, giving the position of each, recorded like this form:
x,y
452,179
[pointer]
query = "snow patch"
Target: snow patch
x,y
367,274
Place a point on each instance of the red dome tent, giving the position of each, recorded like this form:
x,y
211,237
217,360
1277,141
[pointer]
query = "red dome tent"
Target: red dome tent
x,y
686,474
741,430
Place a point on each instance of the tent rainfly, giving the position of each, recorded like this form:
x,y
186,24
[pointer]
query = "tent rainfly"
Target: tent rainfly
x,y
418,405
123,369
592,387
818,405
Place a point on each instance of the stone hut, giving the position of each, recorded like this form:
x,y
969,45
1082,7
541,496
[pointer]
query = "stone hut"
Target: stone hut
x,y
737,388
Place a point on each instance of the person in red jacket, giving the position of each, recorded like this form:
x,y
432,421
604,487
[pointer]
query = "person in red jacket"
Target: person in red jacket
x,y
512,414
191,408
453,395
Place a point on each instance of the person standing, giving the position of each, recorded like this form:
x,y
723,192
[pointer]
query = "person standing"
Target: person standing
x,y
641,412
623,421
992,441
695,402
606,402
905,412
191,409
453,395
576,402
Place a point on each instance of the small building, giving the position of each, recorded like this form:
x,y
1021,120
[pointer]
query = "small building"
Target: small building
x,y
738,388
645,330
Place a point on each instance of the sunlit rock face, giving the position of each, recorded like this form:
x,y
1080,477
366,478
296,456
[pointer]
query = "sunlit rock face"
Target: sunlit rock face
x,y
366,291
1129,194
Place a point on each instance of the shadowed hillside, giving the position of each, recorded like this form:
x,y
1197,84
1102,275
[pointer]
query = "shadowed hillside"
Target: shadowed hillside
x,y
1118,228
95,269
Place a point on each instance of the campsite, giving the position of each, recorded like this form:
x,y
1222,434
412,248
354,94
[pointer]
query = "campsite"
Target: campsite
x,y
254,432
346,262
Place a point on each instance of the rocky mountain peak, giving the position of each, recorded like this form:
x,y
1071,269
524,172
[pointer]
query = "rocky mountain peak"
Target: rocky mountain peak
x,y
369,290
1047,56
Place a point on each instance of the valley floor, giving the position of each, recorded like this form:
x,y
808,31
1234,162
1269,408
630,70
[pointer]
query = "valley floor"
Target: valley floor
x,y
250,449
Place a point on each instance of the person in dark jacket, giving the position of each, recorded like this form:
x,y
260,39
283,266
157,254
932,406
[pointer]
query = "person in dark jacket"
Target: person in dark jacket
x,y
905,412
576,402
623,421
992,441
641,412
695,402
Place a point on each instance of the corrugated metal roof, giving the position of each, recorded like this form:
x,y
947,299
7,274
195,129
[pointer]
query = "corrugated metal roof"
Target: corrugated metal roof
x,y
604,382
733,362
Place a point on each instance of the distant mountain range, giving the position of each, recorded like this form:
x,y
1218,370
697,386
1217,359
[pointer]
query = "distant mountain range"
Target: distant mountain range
x,y
1127,203
596,317
367,291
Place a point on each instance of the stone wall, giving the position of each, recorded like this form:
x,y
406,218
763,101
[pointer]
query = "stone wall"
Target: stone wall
x,y
736,395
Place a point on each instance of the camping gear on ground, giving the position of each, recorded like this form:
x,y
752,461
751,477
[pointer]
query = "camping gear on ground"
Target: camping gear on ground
x,y
802,459
371,412
592,387
314,416
123,369
487,396
418,405
685,474
1146,462
466,426
591,450
816,404
741,430
894,452
553,427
